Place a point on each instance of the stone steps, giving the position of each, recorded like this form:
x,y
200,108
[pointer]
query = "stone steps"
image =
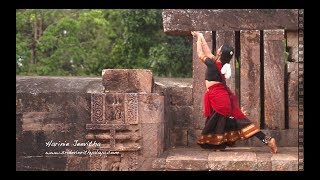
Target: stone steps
x,y
231,159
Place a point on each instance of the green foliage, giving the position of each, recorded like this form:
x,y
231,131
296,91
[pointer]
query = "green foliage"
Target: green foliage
x,y
83,42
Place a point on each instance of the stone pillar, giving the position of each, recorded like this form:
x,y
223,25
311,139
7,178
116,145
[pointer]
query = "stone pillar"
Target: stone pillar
x,y
199,87
292,64
127,119
274,105
250,74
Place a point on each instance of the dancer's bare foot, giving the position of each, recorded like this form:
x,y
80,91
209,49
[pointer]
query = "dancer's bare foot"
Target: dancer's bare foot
x,y
273,146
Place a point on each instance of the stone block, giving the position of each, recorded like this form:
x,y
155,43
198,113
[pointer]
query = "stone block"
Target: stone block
x,y
179,137
180,96
183,159
152,139
32,143
151,108
131,108
293,117
293,83
127,80
98,108
250,74
49,84
284,162
264,161
181,116
182,21
159,164
126,161
18,123
232,161
77,163
274,102
40,163
61,107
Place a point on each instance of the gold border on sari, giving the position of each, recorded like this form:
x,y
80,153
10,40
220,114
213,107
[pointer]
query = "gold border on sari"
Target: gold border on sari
x,y
231,136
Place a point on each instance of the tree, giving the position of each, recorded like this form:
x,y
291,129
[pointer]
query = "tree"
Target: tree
x,y
83,42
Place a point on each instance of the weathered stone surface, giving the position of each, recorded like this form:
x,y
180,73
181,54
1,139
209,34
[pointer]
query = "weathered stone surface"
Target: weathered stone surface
x,y
179,137
228,37
232,158
180,96
292,83
187,159
293,117
104,163
61,107
274,79
106,126
199,83
95,163
182,21
130,161
127,80
127,161
40,163
98,108
181,116
131,108
18,135
292,45
172,82
33,121
18,124
45,84
32,143
119,147
115,137
232,161
284,162
264,161
77,163
250,74
56,141
166,139
151,108
159,164
172,88
193,134
152,139
114,108
293,93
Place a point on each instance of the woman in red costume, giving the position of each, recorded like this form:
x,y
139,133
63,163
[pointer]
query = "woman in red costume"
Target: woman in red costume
x,y
225,122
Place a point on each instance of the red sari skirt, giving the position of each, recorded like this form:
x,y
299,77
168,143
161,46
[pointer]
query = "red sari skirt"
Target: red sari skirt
x,y
224,125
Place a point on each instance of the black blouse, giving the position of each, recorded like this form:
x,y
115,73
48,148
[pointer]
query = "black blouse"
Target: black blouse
x,y
212,72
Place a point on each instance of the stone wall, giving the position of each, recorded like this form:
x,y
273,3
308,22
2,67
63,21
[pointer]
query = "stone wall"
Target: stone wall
x,y
60,108
76,123
51,108
178,110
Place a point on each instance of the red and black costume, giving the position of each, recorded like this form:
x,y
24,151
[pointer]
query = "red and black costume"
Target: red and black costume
x,y
225,122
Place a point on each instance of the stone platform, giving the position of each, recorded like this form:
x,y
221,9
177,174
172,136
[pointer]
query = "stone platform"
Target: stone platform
x,y
231,159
